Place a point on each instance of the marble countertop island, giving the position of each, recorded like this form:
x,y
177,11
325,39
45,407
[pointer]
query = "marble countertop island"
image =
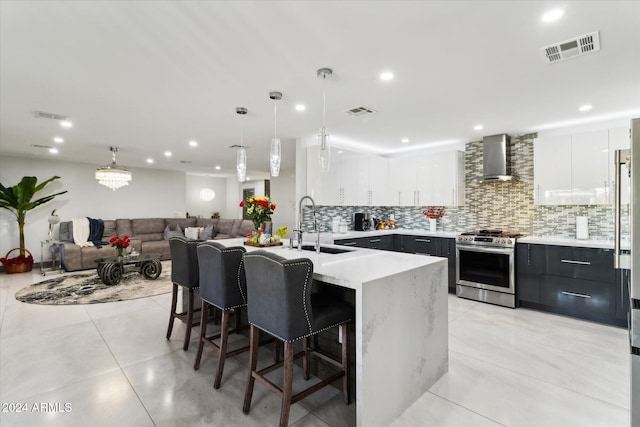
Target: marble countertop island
x,y
401,323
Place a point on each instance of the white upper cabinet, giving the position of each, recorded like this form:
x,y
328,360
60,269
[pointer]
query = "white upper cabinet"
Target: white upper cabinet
x,y
589,168
434,179
402,182
353,179
552,170
573,169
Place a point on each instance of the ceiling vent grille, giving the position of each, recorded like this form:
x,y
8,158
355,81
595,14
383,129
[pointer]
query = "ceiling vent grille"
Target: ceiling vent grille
x,y
239,146
571,48
360,111
41,146
43,115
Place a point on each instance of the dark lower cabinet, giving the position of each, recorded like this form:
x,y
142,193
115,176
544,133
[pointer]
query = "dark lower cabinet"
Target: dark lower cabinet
x,y
574,281
623,280
422,245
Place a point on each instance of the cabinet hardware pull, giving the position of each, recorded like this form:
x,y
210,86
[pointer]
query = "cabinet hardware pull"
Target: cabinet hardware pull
x,y
570,261
573,294
349,244
375,240
423,240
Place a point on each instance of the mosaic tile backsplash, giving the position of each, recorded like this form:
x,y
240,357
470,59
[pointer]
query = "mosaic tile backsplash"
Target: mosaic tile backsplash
x,y
504,205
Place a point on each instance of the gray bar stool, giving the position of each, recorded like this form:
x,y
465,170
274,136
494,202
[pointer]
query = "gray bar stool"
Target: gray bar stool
x,y
280,303
222,285
184,272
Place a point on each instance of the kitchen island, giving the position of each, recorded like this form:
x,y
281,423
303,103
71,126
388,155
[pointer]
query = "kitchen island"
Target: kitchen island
x,y
401,326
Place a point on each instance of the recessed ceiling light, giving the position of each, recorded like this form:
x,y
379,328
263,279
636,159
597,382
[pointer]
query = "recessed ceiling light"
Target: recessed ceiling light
x,y
58,140
552,15
248,178
168,153
404,140
149,160
193,143
477,127
53,150
300,107
66,124
340,151
585,107
217,168
386,76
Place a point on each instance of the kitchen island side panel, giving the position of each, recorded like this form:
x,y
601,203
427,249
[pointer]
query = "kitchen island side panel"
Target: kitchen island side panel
x,y
402,334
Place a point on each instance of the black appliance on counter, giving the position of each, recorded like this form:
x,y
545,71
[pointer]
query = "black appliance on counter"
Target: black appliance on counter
x,y
361,221
485,270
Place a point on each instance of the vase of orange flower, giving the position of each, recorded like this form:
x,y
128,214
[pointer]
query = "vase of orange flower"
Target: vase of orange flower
x,y
432,214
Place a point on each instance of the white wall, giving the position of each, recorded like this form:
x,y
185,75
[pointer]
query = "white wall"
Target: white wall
x,y
283,191
151,193
198,207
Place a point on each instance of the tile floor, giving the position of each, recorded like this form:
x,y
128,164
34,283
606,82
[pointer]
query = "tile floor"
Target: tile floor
x,y
112,365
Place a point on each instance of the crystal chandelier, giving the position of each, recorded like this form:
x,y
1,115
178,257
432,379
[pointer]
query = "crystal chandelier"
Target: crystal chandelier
x,y
241,155
113,176
275,152
324,154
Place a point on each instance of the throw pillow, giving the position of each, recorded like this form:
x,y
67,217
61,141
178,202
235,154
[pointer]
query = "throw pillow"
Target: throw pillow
x,y
168,233
207,233
192,232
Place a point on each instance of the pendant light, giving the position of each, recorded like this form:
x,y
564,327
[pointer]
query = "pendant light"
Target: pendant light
x,y
241,155
324,153
113,176
275,152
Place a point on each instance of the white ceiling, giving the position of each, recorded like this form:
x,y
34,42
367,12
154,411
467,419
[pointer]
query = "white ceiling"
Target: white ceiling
x,y
150,76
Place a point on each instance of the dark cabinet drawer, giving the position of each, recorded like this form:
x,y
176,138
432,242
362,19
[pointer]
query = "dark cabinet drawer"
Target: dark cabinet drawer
x,y
346,242
528,270
582,298
424,245
580,263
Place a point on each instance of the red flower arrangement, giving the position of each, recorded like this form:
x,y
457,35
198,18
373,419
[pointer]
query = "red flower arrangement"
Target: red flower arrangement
x,y
120,244
259,209
434,212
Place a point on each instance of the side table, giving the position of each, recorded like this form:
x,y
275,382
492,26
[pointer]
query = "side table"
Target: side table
x,y
53,248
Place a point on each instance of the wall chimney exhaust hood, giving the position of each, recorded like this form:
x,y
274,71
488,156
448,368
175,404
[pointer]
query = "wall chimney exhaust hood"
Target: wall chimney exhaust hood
x,y
496,158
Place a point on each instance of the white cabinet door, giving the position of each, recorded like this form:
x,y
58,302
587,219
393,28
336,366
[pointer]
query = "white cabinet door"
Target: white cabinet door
x,y
589,168
355,174
378,181
323,186
402,181
424,180
552,170
618,140
448,178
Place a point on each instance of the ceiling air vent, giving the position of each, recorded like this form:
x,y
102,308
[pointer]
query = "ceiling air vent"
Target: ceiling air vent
x,y
43,115
41,146
238,146
576,46
360,111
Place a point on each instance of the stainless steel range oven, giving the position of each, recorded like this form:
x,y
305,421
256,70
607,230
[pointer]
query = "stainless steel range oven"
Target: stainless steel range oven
x,y
485,270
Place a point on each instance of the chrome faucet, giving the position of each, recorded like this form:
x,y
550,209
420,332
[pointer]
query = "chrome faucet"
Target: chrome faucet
x,y
315,224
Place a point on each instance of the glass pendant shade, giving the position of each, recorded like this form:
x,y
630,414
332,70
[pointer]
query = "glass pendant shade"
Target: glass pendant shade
x,y
275,156
241,164
324,152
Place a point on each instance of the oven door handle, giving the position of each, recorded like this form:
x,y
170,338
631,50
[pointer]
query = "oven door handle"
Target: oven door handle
x,y
485,249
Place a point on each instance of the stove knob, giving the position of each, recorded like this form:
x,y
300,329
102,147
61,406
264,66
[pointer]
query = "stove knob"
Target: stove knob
x,y
508,241
499,241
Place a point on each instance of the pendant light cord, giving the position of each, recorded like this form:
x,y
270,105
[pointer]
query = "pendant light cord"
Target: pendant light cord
x,y
275,118
324,101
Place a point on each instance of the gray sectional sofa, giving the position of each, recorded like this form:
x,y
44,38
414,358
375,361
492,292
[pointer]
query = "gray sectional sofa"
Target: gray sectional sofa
x,y
147,235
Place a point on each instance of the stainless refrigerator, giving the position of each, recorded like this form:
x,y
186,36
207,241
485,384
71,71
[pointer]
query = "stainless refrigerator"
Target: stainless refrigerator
x,y
627,249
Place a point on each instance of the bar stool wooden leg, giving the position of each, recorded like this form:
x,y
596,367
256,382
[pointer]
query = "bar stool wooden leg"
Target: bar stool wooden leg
x,y
174,305
187,335
222,354
253,363
306,366
287,384
203,333
345,362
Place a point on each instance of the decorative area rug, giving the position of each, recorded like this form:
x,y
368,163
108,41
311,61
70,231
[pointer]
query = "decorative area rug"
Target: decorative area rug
x,y
87,288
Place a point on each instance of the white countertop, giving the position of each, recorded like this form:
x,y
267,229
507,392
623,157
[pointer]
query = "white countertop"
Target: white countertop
x,y
563,241
410,231
350,269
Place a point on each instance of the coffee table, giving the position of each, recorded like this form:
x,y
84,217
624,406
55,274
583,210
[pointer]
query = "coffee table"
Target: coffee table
x,y
112,268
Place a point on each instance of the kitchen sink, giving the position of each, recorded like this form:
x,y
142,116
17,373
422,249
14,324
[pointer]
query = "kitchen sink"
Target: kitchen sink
x,y
325,249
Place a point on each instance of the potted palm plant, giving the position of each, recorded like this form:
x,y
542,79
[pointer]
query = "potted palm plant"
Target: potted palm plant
x,y
18,200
